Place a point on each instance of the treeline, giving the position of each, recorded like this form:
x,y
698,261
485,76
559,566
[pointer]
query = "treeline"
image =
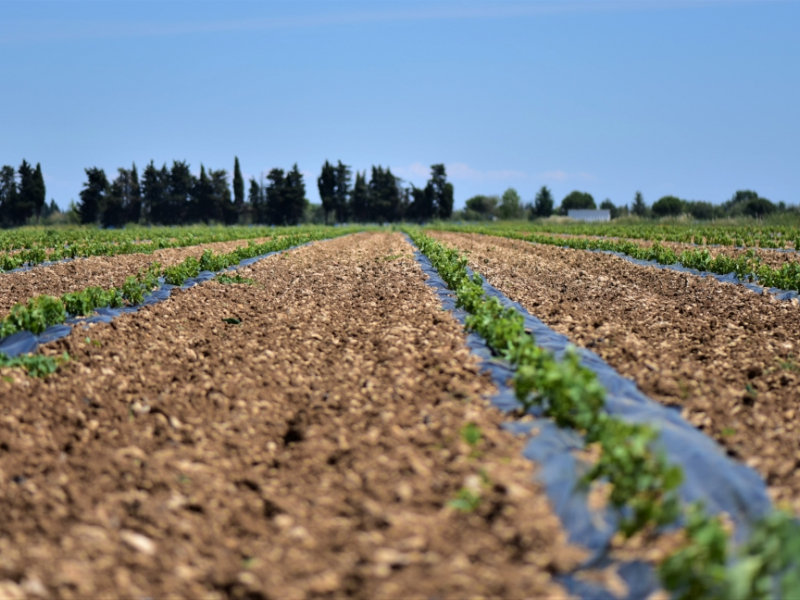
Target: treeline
x,y
167,196
173,195
22,194
743,203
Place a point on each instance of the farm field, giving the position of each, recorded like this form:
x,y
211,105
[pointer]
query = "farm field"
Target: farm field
x,y
309,449
101,271
773,257
719,352
320,423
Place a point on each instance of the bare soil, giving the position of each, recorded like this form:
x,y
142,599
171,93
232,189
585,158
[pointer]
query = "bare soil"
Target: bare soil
x,y
726,356
311,449
771,257
102,271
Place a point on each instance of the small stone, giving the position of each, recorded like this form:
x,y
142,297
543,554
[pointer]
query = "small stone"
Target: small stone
x,y
138,542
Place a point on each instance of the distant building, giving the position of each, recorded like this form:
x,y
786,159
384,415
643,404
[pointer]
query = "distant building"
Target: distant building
x,y
589,215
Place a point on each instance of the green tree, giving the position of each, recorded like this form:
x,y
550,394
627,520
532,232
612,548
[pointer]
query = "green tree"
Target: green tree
x,y
359,201
133,203
205,207
8,196
155,186
275,192
608,205
341,194
51,209
668,206
702,210
112,211
420,208
224,207
123,203
481,208
38,191
510,205
93,195
441,191
295,200
758,207
27,193
577,201
181,183
639,207
257,199
543,204
385,198
326,184
238,188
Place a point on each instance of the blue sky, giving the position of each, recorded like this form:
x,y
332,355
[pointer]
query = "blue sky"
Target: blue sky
x,y
695,99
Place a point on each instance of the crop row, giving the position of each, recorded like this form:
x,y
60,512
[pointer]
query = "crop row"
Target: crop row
x,y
724,235
29,249
747,267
643,484
41,312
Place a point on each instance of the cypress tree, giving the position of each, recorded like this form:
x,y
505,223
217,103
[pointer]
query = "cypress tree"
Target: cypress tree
x,y
543,204
225,209
275,193
295,201
255,198
154,192
27,194
441,191
326,184
179,201
8,195
133,208
342,192
639,207
203,198
113,210
93,195
385,199
38,191
238,188
359,198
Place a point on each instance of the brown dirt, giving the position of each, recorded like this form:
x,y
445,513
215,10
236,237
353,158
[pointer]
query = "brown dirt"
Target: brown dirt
x,y
102,271
726,356
310,450
769,257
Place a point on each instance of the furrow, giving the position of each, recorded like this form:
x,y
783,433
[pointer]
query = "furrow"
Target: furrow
x,y
722,355
300,437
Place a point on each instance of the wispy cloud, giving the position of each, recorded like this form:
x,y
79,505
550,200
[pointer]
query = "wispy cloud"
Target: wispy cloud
x,y
43,30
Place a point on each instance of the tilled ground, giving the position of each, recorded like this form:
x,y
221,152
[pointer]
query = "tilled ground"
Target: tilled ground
x,y
311,449
768,256
102,271
726,356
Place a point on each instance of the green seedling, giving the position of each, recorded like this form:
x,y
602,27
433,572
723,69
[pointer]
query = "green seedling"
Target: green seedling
x,y
227,279
465,501
728,431
233,321
36,365
471,434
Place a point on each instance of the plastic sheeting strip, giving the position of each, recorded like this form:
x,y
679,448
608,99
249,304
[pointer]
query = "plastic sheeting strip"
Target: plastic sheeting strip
x,y
780,294
727,278
25,342
709,474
